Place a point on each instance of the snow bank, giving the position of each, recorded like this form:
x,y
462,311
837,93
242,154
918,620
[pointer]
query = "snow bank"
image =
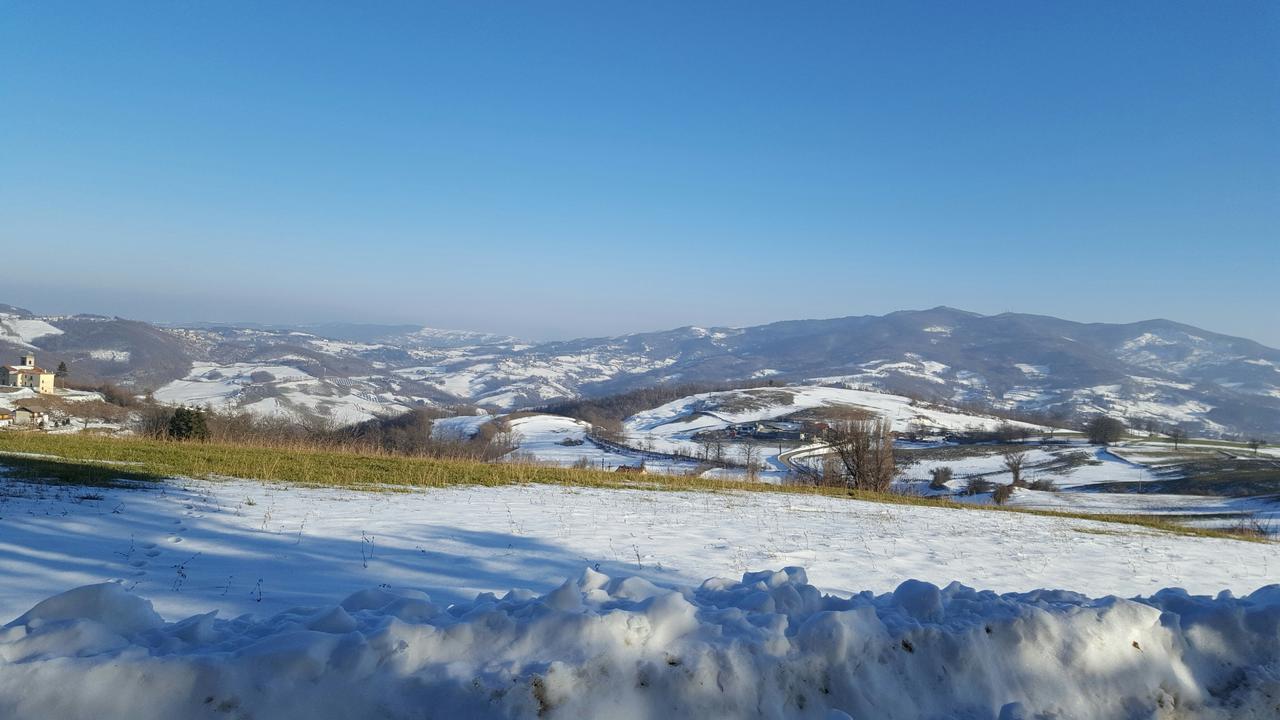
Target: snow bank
x,y
769,646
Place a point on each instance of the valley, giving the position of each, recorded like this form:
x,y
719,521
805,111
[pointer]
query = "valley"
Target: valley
x,y
542,402
1155,374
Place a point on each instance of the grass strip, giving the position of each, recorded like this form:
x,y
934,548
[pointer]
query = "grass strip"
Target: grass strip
x,y
96,459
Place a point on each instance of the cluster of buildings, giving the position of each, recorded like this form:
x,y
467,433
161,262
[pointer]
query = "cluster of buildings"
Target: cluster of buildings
x,y
771,430
23,416
26,374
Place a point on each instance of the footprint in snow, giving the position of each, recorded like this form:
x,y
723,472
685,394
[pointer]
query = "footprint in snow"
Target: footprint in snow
x,y
175,539
152,553
148,546
138,563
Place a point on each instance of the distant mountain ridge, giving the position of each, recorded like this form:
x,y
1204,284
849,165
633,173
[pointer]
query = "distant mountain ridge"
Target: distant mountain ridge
x,y
1157,370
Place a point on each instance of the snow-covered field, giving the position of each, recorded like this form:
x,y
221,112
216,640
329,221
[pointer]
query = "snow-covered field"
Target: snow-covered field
x,y
307,544
12,397
1074,491
1042,462
544,438
671,427
274,389
462,427
635,632
219,384
485,375
23,331
671,430
242,599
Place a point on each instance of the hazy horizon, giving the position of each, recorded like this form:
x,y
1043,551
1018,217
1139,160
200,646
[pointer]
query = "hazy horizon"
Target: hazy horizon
x,y
590,170
623,330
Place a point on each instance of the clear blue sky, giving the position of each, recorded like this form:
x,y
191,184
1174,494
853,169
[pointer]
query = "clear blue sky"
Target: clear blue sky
x,y
558,169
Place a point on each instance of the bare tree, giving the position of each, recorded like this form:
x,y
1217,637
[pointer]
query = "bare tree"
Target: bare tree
x,y
865,450
313,423
1008,432
1001,494
830,473
978,486
917,430
153,420
1177,436
1014,460
1256,443
751,456
717,450
941,476
704,447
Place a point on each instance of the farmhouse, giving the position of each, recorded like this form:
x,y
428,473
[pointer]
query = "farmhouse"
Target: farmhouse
x,y
766,430
27,374
6,417
27,416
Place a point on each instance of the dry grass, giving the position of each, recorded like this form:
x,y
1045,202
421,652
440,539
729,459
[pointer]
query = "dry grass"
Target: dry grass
x,y
363,469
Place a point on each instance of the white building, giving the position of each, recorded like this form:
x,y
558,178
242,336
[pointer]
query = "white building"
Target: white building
x,y
27,374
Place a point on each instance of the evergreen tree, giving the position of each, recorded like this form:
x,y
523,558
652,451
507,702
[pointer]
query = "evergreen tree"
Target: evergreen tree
x,y
188,424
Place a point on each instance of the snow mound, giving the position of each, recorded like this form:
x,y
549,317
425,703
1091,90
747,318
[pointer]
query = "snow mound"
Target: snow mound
x,y
769,646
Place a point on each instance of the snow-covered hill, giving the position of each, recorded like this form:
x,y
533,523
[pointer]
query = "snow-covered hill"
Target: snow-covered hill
x,y
672,427
18,330
1155,371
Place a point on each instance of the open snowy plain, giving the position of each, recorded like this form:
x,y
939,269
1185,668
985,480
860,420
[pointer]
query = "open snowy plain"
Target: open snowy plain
x,y
524,601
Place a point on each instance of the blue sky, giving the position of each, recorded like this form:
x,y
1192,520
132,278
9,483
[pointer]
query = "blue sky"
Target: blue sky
x,y
562,169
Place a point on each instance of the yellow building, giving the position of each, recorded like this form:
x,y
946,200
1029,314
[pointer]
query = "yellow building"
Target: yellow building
x,y
26,374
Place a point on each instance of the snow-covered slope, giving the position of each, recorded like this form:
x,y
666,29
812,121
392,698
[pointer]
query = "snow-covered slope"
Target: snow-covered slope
x,y
307,545
564,442
271,389
364,604
423,338
671,427
1155,371
23,331
716,435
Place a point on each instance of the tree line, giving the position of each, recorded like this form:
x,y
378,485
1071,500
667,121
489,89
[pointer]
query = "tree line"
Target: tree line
x,y
410,434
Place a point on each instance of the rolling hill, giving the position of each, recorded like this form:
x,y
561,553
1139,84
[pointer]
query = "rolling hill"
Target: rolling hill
x,y
1155,371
